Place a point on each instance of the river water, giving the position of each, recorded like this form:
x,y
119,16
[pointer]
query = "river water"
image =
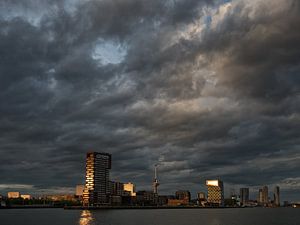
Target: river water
x,y
247,216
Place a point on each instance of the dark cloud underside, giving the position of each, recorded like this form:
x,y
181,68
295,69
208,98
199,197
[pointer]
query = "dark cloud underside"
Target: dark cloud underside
x,y
210,89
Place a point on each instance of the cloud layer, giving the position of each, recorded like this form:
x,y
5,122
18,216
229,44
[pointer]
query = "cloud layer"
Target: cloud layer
x,y
209,89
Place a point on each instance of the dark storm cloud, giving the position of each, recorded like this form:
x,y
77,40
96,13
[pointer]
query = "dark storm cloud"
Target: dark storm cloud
x,y
207,89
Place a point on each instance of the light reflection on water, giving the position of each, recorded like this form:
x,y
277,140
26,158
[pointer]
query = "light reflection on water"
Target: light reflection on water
x,y
246,216
86,218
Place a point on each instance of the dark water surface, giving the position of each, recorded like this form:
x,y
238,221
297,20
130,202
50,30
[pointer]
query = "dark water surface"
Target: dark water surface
x,y
250,216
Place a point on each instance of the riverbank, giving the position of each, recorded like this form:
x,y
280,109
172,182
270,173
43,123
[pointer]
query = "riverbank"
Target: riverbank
x,y
30,207
140,207
119,207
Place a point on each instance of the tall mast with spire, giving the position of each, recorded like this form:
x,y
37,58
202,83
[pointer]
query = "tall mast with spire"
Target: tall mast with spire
x,y
155,181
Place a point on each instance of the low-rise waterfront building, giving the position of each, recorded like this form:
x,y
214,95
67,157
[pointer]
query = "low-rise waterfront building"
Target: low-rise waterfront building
x,y
61,197
26,196
201,199
183,195
13,194
177,202
79,190
145,198
201,196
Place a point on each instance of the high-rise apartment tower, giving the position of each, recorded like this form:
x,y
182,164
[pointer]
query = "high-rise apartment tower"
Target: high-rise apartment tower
x,y
96,188
276,196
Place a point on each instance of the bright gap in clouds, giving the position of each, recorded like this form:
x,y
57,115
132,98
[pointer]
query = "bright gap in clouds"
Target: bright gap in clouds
x,y
109,52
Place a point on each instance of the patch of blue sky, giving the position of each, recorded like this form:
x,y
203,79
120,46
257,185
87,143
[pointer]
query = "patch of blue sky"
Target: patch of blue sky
x,y
225,1
207,19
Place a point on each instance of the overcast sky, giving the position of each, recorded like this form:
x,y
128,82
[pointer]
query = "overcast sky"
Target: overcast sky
x,y
206,89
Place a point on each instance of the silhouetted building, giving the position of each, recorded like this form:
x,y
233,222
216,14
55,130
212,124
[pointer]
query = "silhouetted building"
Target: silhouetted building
x,y
183,195
286,204
260,197
97,178
233,201
215,192
2,201
244,196
120,189
145,198
201,196
201,199
276,196
162,200
265,195
115,200
116,188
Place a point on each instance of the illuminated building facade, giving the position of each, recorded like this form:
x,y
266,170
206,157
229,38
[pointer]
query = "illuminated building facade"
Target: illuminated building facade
x,y
215,192
244,196
130,188
79,190
61,197
97,178
276,196
28,197
13,194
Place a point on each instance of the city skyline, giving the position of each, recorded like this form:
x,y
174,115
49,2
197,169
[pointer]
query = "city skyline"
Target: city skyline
x,y
99,189
203,89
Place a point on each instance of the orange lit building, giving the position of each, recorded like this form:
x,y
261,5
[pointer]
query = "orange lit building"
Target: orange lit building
x,y
13,194
61,197
130,188
97,179
177,202
215,192
79,190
